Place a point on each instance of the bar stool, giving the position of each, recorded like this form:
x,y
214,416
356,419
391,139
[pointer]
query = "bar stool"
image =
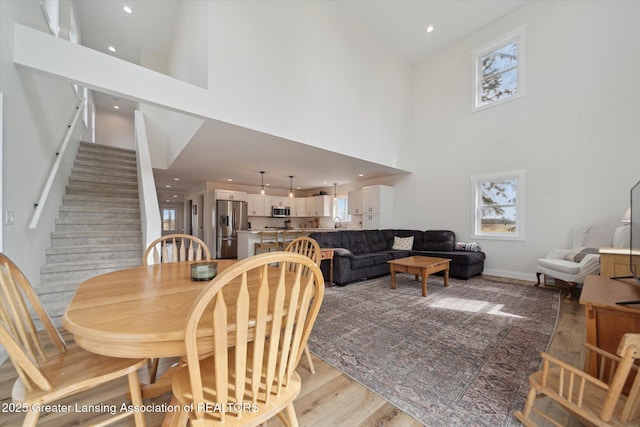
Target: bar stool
x,y
288,237
268,241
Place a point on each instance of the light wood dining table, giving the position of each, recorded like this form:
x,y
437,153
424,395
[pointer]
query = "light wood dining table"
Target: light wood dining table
x,y
140,312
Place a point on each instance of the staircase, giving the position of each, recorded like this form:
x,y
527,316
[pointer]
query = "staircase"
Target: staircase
x,y
98,229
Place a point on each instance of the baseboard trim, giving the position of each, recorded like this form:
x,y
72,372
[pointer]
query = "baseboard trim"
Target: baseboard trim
x,y
510,274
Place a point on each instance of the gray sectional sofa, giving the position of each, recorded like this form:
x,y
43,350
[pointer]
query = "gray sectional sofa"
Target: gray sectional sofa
x,y
361,254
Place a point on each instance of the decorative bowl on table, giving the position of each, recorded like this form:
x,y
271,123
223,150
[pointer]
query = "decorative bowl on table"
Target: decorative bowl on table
x,y
203,270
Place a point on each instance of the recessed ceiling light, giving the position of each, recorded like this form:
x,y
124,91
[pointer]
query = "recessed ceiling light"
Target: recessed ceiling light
x,y
175,195
127,9
229,179
111,48
360,174
176,179
115,107
168,186
430,29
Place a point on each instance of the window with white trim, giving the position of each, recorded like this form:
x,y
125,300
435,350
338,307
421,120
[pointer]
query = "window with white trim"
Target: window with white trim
x,y
169,217
498,203
341,209
498,70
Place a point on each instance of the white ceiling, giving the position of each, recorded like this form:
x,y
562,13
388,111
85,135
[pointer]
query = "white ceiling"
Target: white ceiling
x,y
220,151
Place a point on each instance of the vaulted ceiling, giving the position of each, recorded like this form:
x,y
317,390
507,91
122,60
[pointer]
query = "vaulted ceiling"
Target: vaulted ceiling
x,y
400,24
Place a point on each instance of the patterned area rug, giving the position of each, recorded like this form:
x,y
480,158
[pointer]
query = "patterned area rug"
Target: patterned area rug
x,y
459,357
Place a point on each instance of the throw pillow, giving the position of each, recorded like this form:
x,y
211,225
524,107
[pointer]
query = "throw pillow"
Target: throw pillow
x,y
469,247
402,243
578,253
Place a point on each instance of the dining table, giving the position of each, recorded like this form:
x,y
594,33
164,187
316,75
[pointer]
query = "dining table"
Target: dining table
x,y
141,312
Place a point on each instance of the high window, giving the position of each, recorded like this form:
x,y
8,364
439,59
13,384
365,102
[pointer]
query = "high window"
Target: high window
x,y
499,71
498,202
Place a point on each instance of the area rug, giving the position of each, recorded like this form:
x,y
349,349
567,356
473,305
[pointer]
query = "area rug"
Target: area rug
x,y
459,357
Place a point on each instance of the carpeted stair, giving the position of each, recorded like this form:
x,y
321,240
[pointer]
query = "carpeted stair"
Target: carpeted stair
x,y
98,229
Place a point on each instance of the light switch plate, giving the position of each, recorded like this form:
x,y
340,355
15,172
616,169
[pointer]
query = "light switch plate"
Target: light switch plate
x,y
9,217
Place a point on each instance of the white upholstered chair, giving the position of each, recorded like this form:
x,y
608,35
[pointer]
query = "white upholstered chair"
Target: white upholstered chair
x,y
573,265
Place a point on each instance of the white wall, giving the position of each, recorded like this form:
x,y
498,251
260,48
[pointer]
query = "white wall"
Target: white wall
x,y
189,58
115,129
37,111
307,72
575,132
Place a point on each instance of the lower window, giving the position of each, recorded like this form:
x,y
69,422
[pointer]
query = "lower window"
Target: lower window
x,y
498,203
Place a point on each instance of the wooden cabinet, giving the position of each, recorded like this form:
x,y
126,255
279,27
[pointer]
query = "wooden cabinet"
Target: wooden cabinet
x,y
318,206
355,202
231,195
606,321
377,206
614,262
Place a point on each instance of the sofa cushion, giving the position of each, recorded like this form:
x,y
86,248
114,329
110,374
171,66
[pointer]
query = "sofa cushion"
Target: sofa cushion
x,y
327,239
369,260
355,241
437,240
456,257
402,243
398,254
375,240
416,234
561,265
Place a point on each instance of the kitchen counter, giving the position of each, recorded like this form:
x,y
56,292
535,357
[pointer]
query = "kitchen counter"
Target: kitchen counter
x,y
248,238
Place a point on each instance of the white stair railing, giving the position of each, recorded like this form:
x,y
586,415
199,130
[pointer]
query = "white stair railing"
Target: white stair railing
x,y
39,205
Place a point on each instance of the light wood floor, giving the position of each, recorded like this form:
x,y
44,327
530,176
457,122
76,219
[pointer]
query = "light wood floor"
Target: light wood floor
x,y
328,398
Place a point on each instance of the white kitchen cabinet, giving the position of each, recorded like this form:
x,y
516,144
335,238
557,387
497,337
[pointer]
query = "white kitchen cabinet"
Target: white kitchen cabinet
x,y
281,201
256,205
377,206
318,206
355,202
299,207
231,195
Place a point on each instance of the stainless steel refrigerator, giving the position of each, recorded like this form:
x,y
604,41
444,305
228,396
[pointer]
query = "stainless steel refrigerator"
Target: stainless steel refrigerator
x,y
231,216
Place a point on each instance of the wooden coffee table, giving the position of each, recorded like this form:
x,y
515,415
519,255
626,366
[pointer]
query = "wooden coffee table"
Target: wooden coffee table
x,y
420,266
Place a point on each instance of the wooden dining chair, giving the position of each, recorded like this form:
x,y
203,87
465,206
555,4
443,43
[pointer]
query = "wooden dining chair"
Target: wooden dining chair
x,y
592,400
269,240
175,248
251,376
308,247
47,369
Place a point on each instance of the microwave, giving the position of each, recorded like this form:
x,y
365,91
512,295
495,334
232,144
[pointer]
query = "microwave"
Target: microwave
x,y
279,212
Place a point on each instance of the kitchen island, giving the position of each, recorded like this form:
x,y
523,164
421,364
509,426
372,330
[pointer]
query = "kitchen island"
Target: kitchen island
x,y
248,238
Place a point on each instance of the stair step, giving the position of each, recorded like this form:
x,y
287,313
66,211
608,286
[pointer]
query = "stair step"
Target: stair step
x,y
98,212
90,146
80,223
101,191
97,164
106,156
103,183
80,172
93,253
83,270
91,238
83,200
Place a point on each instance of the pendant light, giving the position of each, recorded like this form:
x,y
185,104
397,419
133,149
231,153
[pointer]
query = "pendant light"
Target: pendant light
x,y
262,185
291,187
335,190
